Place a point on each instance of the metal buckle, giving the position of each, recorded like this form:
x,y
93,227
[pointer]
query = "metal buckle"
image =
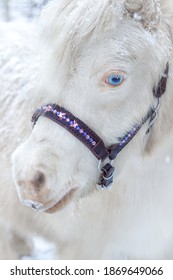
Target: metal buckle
x,y
106,178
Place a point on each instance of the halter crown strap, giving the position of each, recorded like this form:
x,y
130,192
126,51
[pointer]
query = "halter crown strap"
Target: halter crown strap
x,y
161,88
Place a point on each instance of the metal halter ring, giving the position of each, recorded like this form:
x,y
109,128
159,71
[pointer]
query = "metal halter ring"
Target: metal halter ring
x,y
107,174
154,116
103,164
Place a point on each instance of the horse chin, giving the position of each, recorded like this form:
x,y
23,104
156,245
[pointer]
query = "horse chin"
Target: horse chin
x,y
50,206
64,201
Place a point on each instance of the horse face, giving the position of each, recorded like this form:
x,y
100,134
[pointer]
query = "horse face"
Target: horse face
x,y
106,79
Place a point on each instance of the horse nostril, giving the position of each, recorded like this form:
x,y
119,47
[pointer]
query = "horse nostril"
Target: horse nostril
x,y
39,180
33,206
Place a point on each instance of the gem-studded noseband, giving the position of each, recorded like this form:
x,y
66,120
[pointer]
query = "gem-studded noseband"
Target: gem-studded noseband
x,y
91,140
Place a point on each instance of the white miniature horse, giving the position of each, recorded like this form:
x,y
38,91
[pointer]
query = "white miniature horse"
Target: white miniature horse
x,y
106,62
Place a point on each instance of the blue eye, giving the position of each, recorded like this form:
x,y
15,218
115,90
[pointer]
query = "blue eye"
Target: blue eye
x,y
115,79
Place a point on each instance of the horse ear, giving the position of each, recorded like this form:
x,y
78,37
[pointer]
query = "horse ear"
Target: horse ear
x,y
145,11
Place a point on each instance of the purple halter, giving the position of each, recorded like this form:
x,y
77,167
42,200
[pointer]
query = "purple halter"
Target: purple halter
x,y
91,140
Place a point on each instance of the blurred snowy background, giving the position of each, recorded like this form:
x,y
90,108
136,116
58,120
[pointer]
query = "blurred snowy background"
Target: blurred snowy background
x,y
20,9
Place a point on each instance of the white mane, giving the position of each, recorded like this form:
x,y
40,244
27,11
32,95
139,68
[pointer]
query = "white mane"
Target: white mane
x,y
86,21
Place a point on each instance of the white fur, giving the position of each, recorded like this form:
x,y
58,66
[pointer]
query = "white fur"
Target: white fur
x,y
81,41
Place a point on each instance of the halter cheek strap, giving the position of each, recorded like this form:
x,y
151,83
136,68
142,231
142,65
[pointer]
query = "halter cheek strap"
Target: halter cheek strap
x,y
91,140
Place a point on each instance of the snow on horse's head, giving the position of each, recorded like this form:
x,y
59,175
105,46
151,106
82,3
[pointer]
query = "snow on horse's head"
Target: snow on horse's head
x,y
101,61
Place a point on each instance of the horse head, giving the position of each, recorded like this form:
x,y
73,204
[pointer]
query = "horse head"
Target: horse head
x,y
101,61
